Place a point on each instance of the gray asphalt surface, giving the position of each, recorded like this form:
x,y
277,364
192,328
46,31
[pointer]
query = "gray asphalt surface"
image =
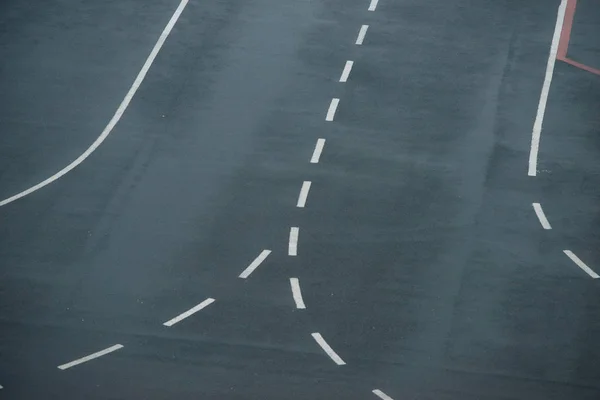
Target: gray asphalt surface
x,y
420,258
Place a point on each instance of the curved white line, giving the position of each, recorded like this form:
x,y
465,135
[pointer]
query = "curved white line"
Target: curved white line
x,y
327,349
581,264
297,293
116,117
537,207
381,395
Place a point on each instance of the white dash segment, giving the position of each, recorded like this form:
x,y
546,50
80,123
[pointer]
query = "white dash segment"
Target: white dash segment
x,y
346,71
303,194
332,108
293,245
318,150
257,261
361,34
373,5
90,357
381,395
581,264
297,294
189,312
541,110
537,207
327,349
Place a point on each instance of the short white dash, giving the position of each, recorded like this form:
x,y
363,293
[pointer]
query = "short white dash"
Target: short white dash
x,y
303,194
318,150
293,245
297,294
346,71
327,349
257,261
373,5
381,395
361,34
91,357
541,216
189,312
581,264
332,108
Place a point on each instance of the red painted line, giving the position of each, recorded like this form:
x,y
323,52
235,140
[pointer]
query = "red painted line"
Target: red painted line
x,y
582,66
565,34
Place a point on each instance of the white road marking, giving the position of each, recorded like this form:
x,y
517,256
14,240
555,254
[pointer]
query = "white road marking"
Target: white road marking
x,y
581,264
303,194
257,261
541,216
381,395
541,110
116,117
91,357
373,5
297,294
332,108
293,245
361,34
346,71
318,149
189,312
327,349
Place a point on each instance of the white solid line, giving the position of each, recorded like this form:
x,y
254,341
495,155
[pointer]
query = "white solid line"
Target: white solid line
x,y
361,34
297,294
327,349
581,264
541,216
293,245
91,357
541,110
116,117
189,312
381,395
318,149
373,5
332,107
303,194
257,261
346,71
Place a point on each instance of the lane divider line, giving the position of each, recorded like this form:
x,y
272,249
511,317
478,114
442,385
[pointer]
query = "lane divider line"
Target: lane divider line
x,y
581,264
346,71
361,34
332,108
317,152
381,395
537,207
327,349
90,357
189,312
373,5
297,294
303,194
257,261
293,244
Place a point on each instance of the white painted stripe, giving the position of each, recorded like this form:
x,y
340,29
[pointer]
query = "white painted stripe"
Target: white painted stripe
x,y
303,194
381,395
318,150
581,264
541,216
297,294
257,261
346,71
541,110
332,108
116,117
189,312
293,245
327,349
91,357
361,34
373,5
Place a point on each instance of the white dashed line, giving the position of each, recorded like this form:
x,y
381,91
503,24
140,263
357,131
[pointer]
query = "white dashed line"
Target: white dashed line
x,y
346,71
373,5
91,357
361,34
541,216
318,150
297,294
293,245
327,349
116,117
257,261
541,110
303,194
332,108
189,312
581,264
381,395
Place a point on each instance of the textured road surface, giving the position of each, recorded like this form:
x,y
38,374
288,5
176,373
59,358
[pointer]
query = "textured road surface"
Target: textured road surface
x,y
421,260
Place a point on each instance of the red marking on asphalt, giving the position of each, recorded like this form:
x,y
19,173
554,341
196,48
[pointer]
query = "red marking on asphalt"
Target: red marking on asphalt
x,y
565,37
582,66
